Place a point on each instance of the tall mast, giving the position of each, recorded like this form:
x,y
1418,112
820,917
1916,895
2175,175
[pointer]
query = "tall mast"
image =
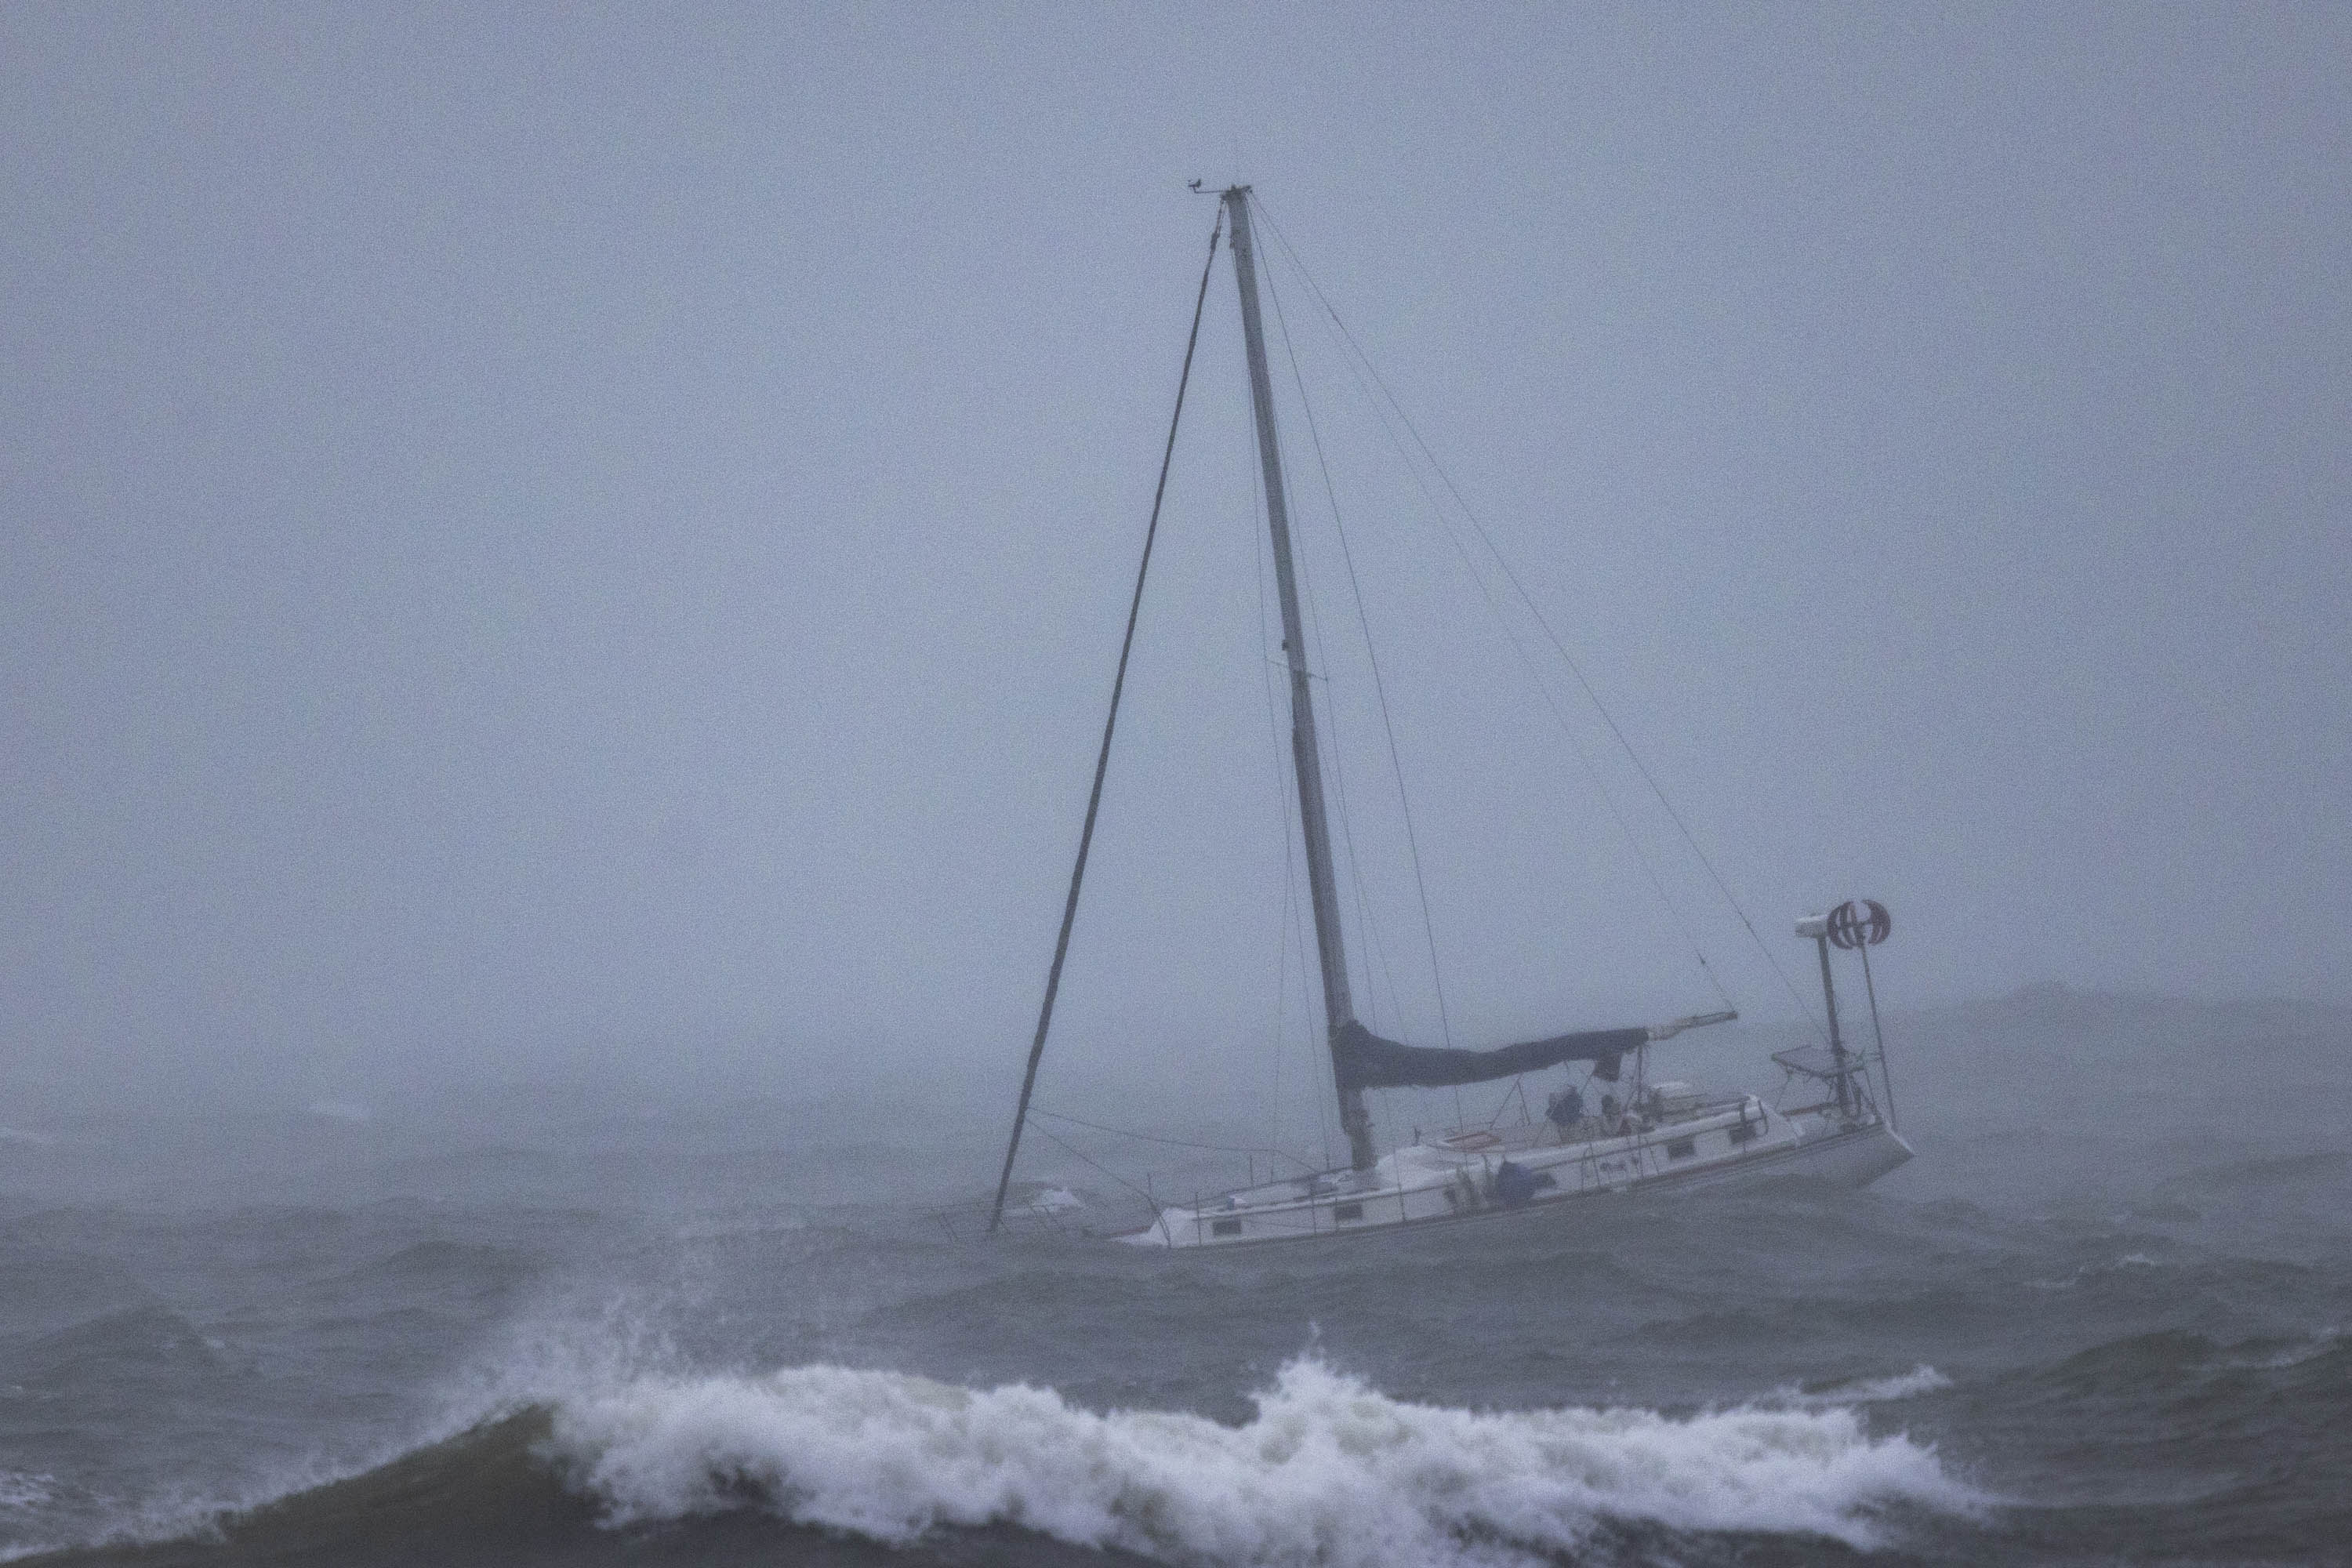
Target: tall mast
x,y
1305,752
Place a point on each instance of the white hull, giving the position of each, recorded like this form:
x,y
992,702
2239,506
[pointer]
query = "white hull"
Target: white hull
x,y
1539,1170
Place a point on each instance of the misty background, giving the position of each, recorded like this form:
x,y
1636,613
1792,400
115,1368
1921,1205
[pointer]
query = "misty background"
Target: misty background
x,y
584,551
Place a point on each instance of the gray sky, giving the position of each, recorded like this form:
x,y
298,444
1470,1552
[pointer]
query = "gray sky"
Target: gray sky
x,y
592,539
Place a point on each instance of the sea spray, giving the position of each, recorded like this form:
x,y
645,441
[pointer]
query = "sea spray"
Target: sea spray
x,y
1329,1471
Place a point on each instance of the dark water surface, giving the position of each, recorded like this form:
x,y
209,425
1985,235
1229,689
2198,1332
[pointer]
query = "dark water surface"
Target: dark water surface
x,y
2106,1317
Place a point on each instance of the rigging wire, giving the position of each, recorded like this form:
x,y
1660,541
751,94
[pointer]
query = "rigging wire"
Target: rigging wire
x,y
1583,756
1559,646
1110,723
1371,657
1372,955
1175,1143
1281,992
1526,662
1375,955
1292,923
1437,511
1143,1193
1379,687
1375,952
1568,731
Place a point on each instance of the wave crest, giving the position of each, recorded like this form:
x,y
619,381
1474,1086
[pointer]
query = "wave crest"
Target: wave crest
x,y
1329,1471
1921,1379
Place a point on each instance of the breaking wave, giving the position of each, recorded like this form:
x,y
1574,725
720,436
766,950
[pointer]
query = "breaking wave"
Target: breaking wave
x,y
656,1470
1329,1471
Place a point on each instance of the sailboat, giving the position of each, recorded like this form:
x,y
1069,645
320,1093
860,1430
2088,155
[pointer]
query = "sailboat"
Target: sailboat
x,y
1655,1136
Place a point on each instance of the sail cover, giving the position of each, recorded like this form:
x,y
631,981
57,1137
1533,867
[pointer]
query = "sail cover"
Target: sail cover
x,y
1365,1060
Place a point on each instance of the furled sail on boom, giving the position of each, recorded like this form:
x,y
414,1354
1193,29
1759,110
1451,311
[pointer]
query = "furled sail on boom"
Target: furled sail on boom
x,y
1364,1060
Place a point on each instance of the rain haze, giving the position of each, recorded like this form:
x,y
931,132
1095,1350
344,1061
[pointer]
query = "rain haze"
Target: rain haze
x,y
566,541
560,570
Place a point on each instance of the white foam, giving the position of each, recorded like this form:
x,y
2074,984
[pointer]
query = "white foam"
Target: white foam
x,y
2130,1260
1329,1472
1921,1379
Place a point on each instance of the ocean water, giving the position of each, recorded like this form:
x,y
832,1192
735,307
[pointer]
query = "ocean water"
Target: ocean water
x,y
2106,1317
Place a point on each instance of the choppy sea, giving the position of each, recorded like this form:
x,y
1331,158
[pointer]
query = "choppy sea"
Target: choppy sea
x,y
2105,1317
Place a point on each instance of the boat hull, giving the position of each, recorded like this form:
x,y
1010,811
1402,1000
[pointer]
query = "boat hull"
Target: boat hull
x,y
1650,1162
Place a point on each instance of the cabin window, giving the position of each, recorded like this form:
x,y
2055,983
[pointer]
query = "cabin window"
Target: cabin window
x,y
1224,1228
1743,1132
1682,1148
1347,1210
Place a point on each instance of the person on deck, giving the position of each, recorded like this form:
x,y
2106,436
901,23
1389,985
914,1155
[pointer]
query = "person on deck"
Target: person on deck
x,y
1565,1110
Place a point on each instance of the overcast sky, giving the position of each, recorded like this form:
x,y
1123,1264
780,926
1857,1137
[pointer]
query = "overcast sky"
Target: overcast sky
x,y
582,539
